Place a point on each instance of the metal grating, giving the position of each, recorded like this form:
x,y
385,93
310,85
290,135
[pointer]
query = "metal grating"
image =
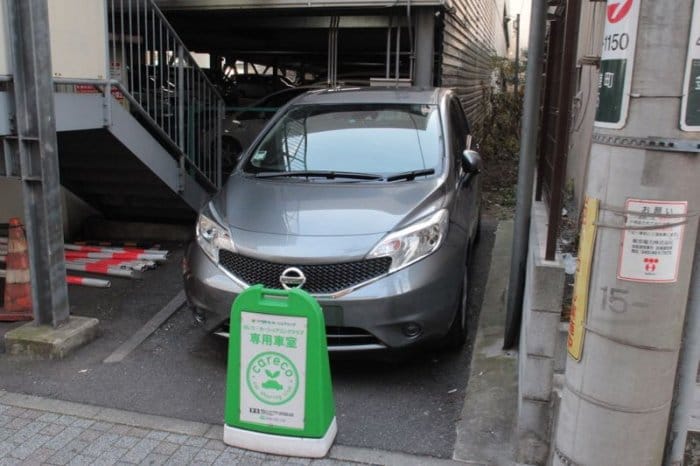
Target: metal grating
x,y
320,278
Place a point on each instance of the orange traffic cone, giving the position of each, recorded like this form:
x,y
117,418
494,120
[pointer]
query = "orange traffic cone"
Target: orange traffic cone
x,y
18,293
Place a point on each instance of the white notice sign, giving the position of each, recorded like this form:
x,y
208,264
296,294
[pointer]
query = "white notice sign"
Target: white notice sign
x,y
273,369
651,254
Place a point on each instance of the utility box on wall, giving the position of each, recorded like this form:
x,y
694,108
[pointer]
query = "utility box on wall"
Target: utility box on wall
x,y
78,39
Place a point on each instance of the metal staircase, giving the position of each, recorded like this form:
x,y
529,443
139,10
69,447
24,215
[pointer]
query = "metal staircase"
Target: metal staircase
x,y
144,143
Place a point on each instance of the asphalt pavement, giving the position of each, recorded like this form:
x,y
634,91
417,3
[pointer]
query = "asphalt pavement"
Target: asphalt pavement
x,y
178,372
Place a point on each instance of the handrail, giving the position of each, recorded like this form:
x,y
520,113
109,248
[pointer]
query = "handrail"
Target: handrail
x,y
184,47
102,85
159,77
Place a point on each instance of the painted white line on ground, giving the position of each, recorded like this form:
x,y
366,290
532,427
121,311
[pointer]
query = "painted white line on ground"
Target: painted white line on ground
x,y
144,332
694,424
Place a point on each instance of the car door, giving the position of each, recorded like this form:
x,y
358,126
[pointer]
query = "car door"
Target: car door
x,y
466,195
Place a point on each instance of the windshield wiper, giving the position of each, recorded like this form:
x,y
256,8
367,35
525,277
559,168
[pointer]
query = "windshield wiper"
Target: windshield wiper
x,y
321,174
410,176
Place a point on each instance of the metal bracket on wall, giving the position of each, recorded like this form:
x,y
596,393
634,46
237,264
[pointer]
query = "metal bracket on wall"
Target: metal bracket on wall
x,y
649,143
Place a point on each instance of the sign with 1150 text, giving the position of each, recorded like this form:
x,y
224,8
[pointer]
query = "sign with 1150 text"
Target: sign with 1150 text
x,y
273,369
617,63
690,106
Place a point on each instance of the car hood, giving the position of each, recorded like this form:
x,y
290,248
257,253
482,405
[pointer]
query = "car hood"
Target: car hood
x,y
329,209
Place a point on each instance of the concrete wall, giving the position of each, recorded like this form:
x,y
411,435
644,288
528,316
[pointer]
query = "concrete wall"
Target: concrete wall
x,y
4,41
586,96
10,199
75,211
542,303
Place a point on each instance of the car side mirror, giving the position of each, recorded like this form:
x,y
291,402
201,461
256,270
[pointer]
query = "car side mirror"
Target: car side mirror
x,y
471,160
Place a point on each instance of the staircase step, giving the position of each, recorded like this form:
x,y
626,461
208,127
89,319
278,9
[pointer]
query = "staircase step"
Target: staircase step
x,y
98,168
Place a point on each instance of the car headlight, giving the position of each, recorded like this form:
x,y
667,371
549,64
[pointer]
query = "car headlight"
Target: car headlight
x,y
211,235
414,242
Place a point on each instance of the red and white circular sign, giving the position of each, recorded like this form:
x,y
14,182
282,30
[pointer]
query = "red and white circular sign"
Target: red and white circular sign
x,y
618,10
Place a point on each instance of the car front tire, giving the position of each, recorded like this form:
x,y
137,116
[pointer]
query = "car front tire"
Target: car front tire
x,y
457,335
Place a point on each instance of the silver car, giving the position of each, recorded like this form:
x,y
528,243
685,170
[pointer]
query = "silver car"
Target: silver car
x,y
369,199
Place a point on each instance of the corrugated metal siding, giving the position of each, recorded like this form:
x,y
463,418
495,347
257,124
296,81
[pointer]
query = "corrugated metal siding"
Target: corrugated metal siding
x,y
472,32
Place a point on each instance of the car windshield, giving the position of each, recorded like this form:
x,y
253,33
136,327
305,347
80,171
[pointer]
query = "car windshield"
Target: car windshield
x,y
377,139
263,109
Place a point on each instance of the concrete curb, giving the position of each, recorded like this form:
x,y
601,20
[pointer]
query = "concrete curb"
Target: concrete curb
x,y
486,429
199,429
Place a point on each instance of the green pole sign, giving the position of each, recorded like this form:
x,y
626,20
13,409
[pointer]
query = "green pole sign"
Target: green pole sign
x,y
617,63
690,106
278,385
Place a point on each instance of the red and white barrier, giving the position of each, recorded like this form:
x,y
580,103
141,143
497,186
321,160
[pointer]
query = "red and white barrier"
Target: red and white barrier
x,y
119,244
82,248
74,280
102,269
86,281
115,255
138,266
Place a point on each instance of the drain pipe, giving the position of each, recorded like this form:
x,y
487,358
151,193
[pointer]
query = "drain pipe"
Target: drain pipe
x,y
388,46
687,371
398,51
526,171
411,57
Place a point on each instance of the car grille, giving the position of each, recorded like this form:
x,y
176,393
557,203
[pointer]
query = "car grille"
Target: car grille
x,y
320,278
336,337
349,336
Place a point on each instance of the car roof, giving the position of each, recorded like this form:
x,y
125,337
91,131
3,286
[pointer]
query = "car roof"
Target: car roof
x,y
407,95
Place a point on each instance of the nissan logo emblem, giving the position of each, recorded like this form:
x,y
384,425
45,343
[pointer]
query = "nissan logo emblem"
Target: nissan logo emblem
x,y
292,277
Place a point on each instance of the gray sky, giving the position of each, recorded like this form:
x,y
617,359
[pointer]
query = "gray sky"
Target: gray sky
x,y
522,7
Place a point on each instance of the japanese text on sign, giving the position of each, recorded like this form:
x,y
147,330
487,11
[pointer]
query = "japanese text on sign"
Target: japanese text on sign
x,y
651,254
577,320
617,62
273,369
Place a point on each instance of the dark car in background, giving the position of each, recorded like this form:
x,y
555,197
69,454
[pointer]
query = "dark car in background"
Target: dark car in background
x,y
369,199
242,126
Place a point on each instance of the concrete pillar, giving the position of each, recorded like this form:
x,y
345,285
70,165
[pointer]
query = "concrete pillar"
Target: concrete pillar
x,y
616,399
425,47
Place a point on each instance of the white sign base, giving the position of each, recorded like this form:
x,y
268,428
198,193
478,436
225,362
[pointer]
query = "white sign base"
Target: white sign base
x,y
279,444
647,254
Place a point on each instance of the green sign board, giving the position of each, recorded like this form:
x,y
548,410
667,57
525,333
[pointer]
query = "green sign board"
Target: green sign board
x,y
278,384
690,105
611,88
617,63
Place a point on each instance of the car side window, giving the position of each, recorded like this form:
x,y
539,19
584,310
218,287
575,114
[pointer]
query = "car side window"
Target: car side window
x,y
457,132
465,123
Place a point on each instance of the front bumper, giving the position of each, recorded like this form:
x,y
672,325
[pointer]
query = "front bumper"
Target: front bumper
x,y
372,317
